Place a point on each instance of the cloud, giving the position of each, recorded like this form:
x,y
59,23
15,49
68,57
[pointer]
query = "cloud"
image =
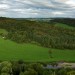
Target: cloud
x,y
4,6
71,3
58,13
37,8
62,1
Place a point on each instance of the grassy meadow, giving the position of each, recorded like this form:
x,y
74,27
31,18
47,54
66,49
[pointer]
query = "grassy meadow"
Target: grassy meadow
x,y
64,26
10,50
3,31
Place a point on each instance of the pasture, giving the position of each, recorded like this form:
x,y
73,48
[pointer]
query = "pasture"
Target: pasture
x,y
10,50
64,26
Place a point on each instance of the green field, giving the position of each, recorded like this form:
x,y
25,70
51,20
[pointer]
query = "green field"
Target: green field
x,y
29,52
3,31
64,26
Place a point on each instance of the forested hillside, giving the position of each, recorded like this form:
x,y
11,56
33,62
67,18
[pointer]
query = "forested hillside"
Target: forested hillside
x,y
46,34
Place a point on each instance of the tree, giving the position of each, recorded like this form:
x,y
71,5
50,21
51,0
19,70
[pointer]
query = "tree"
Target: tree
x,y
30,72
50,53
62,71
71,73
48,72
5,74
6,68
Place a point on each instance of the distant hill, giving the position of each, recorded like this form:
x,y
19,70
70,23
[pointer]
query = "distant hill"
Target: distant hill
x,y
68,21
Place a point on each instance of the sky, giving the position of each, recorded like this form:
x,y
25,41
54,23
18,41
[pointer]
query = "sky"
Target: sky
x,y
37,8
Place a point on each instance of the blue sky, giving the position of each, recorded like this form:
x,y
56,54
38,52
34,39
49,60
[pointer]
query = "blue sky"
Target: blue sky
x,y
37,8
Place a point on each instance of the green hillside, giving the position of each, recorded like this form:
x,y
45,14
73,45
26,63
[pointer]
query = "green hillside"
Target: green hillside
x,y
30,52
3,31
32,40
64,26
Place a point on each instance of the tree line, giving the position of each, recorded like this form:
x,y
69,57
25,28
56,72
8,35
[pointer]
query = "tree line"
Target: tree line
x,y
23,68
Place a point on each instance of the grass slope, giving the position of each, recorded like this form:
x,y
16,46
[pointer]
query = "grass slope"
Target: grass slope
x,y
64,26
29,52
3,31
